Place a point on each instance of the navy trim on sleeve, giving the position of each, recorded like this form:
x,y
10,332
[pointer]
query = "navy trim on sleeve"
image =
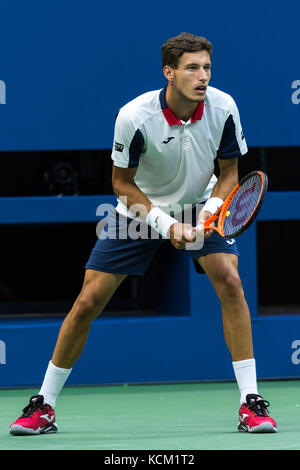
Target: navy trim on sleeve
x,y
135,149
229,147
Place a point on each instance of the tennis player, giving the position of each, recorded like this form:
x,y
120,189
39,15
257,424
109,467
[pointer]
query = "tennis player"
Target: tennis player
x,y
165,145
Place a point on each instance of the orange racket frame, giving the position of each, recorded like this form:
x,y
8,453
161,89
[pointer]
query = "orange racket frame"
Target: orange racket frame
x,y
220,214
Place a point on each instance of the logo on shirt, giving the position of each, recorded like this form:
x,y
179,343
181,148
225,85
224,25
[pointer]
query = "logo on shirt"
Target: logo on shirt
x,y
168,140
119,147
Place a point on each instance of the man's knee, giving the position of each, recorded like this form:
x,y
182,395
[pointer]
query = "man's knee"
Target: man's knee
x,y
87,306
229,285
96,292
85,309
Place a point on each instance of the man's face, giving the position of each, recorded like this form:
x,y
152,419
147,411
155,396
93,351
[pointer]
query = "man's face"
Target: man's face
x,y
191,78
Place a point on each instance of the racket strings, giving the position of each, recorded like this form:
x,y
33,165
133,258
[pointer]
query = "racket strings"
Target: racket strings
x,y
243,205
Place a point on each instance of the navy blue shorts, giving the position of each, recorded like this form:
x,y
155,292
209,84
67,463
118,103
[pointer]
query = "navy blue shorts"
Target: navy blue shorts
x,y
116,252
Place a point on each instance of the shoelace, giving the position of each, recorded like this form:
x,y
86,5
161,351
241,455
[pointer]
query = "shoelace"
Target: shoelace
x,y
259,407
31,409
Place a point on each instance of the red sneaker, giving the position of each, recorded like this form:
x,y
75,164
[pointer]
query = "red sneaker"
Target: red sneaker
x,y
37,418
254,416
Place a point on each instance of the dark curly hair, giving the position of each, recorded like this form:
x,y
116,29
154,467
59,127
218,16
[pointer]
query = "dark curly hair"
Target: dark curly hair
x,y
175,47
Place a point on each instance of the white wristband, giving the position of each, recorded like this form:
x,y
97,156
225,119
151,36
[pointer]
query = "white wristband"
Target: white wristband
x,y
212,204
160,221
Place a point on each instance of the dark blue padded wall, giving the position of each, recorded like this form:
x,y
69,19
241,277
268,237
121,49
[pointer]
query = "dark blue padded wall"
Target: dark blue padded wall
x,y
184,342
67,67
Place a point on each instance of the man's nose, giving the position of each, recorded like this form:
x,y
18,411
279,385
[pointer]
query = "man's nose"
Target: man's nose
x,y
203,75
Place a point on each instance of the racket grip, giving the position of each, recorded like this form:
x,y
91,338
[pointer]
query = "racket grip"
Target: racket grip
x,y
198,227
209,223
206,226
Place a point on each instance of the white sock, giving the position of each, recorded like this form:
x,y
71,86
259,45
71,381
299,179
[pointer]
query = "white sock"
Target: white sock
x,y
245,374
54,381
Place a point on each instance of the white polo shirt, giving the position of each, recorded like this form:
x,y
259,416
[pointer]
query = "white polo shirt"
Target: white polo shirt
x,y
175,159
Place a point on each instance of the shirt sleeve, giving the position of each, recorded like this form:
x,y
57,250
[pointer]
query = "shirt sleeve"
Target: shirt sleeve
x,y
233,143
128,142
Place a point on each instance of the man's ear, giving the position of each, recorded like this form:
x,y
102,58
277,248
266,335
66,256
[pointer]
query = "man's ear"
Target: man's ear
x,y
169,73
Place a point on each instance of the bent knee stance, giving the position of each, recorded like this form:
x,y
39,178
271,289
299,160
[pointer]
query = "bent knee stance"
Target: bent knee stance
x,y
86,309
97,290
229,286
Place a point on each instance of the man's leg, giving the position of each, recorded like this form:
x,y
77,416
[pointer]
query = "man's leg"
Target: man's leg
x,y
39,416
98,288
222,270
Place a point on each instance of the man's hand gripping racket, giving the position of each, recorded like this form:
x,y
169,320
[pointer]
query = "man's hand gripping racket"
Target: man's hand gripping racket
x,y
240,208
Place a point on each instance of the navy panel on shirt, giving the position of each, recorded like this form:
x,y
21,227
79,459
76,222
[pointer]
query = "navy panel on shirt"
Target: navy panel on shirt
x,y
229,147
135,149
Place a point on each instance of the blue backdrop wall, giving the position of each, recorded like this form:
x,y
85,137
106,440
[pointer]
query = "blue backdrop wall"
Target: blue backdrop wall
x,y
68,66
183,342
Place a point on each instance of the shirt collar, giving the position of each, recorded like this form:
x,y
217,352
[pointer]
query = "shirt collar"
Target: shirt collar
x,y
170,116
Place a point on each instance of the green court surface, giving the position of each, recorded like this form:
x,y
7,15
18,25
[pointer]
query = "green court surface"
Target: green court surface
x,y
198,416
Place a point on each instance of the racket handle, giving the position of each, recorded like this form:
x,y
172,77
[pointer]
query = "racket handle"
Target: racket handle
x,y
190,232
198,227
209,223
202,227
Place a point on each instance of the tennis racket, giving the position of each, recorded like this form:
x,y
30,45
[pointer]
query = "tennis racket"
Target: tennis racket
x,y
241,206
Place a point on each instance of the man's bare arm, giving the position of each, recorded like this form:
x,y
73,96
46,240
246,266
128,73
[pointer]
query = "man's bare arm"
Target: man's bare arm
x,y
226,182
228,178
128,192
137,202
